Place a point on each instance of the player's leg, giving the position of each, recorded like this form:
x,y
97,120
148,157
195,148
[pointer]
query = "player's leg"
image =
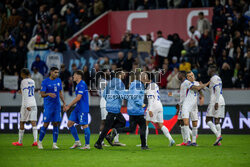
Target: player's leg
x,y
34,130
71,125
87,137
108,125
131,128
83,121
24,118
142,123
209,121
186,129
181,125
120,122
218,128
33,120
42,134
103,119
20,135
194,132
55,134
147,132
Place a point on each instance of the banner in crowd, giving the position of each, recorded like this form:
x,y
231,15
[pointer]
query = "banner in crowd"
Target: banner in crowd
x,y
10,82
52,59
169,21
236,121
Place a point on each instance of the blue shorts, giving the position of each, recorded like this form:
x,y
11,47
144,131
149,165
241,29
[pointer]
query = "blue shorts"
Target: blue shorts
x,y
78,117
52,114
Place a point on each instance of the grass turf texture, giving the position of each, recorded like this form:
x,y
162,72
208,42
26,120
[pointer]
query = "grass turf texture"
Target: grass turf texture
x,y
235,151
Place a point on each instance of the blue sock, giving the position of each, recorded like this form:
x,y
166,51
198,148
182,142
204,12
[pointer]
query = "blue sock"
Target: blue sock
x,y
55,133
87,135
42,133
74,132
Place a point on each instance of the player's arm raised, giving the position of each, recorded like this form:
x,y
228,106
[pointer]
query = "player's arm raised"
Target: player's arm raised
x,y
198,88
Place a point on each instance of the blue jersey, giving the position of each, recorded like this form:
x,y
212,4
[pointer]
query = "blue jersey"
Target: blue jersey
x,y
136,98
52,86
114,93
83,104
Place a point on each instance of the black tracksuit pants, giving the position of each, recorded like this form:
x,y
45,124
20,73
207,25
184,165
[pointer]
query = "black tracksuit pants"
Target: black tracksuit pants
x,y
133,121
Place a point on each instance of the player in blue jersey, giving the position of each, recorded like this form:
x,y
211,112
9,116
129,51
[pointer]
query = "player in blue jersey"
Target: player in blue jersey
x,y
51,91
80,113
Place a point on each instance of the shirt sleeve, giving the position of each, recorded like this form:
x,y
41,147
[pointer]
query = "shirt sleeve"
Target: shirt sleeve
x,y
60,85
43,86
81,90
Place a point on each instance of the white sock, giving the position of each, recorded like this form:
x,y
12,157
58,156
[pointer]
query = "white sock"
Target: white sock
x,y
186,133
166,133
21,132
218,127
116,139
182,132
213,128
190,132
34,129
146,135
194,134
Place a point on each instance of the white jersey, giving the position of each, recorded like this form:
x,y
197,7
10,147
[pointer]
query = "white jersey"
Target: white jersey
x,y
191,95
28,90
153,96
183,91
215,88
102,85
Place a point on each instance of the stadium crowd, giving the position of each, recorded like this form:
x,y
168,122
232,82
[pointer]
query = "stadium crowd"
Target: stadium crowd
x,y
45,24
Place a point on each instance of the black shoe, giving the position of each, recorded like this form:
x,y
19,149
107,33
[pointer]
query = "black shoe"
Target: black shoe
x,y
98,146
109,139
145,148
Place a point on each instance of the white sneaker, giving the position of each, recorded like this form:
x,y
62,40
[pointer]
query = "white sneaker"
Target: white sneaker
x,y
39,145
171,143
138,145
76,144
54,146
119,144
86,147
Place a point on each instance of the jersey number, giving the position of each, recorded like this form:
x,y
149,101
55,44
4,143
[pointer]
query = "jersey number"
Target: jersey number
x,y
31,91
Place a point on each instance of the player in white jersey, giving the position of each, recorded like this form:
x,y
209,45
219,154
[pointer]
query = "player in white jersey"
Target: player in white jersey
x,y
154,111
190,106
181,96
105,77
28,109
216,107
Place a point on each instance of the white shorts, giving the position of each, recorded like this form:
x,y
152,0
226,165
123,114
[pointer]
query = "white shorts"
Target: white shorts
x,y
104,113
157,116
190,111
211,112
28,115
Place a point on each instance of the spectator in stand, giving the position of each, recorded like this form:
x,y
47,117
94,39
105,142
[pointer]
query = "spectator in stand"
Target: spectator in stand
x,y
96,43
39,64
64,76
86,75
205,47
226,75
37,77
128,62
174,63
60,45
120,61
73,69
176,47
193,52
105,42
98,7
51,43
203,23
239,56
195,36
240,81
126,42
70,19
230,27
225,59
173,81
163,76
185,65
218,16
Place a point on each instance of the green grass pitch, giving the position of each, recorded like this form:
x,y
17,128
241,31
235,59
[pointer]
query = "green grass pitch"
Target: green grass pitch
x,y
235,151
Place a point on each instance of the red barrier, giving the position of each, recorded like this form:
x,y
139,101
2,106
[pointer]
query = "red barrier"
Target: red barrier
x,y
169,21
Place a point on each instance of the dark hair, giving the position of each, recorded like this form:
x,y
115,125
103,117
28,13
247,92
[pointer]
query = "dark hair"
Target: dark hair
x,y
119,71
53,68
201,13
212,67
183,73
188,72
159,32
79,72
25,71
191,27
